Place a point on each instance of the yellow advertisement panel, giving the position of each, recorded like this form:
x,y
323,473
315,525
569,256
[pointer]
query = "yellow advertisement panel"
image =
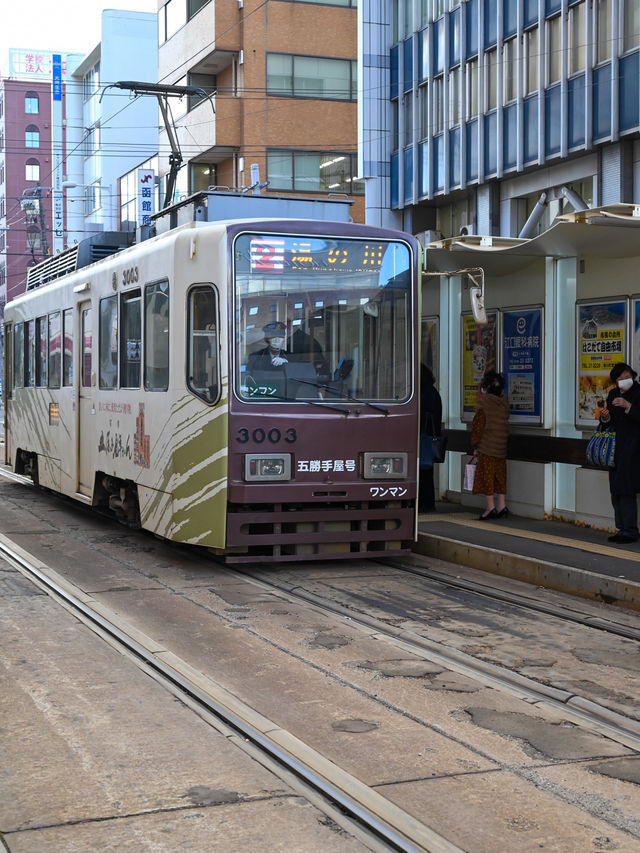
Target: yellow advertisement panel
x,y
479,354
601,336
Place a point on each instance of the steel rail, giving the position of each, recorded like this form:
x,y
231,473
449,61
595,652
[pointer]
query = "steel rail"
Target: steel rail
x,y
369,809
523,601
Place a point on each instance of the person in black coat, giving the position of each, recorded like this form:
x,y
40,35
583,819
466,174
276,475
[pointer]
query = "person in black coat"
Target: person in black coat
x,y
430,424
621,412
274,355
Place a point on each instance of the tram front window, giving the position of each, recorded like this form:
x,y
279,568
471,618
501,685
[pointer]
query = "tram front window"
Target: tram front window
x,y
322,318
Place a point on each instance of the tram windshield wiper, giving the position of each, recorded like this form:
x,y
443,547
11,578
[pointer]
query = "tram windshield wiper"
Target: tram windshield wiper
x,y
320,403
323,386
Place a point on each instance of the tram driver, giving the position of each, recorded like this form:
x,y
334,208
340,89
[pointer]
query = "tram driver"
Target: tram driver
x,y
274,354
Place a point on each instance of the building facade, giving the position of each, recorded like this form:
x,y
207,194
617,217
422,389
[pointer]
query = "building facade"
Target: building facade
x,y
281,81
32,207
112,132
477,114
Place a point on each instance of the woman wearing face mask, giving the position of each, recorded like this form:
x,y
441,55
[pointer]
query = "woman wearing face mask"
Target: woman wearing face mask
x,y
622,413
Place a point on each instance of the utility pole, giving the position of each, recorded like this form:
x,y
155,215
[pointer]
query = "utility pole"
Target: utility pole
x,y
34,203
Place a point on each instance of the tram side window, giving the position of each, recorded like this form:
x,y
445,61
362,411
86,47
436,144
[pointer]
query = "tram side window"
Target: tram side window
x,y
130,339
41,352
87,343
54,350
29,353
202,343
156,336
67,332
18,355
109,342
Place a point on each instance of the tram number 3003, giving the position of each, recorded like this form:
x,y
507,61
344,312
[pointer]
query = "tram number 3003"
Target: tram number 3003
x,y
273,435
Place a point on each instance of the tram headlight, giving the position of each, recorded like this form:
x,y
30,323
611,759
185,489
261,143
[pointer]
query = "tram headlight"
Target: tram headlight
x,y
267,467
385,466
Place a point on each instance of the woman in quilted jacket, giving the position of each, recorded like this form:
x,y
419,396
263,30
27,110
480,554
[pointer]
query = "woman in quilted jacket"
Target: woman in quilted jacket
x,y
622,413
489,435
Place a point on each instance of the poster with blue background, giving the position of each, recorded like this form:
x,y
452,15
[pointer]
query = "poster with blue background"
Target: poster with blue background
x,y
522,363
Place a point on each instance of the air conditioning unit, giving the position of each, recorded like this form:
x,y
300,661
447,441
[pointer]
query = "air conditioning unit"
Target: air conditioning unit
x,y
426,237
467,229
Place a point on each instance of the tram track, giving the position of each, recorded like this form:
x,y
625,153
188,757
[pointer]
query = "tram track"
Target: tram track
x,y
345,799
576,708
525,602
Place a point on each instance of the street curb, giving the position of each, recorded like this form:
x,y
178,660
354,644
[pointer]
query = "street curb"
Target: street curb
x,y
531,570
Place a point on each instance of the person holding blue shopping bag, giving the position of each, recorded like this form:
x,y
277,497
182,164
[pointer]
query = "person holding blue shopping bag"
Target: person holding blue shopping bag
x,y
621,412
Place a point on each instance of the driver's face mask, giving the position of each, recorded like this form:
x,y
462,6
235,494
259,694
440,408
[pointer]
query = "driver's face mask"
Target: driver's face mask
x,y
276,343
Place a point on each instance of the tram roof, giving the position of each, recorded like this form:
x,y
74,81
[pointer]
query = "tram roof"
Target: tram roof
x,y
606,232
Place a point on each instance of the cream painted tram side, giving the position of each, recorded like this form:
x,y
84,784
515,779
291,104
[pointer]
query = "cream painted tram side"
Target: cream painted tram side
x,y
127,386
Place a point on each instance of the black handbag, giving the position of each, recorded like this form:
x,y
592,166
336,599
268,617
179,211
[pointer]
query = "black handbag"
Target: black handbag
x,y
432,447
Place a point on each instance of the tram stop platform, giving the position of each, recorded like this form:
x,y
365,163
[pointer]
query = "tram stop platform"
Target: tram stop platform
x,y
548,553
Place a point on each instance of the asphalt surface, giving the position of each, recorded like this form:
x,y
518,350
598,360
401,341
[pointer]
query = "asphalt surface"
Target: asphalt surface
x,y
554,554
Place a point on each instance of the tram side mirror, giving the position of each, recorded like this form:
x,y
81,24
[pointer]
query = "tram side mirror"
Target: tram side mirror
x,y
477,305
342,371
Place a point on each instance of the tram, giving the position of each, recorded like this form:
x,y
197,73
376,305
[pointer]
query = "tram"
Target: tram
x,y
245,386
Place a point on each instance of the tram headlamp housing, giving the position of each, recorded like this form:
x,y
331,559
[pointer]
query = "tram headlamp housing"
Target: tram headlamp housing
x,y
267,467
385,466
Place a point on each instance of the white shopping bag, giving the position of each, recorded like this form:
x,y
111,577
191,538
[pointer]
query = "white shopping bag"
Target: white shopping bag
x,y
469,476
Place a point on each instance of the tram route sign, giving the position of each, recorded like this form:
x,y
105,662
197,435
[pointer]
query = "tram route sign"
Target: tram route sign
x,y
522,359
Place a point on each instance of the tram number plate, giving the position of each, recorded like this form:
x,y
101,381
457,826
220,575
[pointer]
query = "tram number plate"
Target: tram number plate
x,y
271,435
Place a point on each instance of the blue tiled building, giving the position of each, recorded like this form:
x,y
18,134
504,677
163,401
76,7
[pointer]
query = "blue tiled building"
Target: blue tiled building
x,y
474,112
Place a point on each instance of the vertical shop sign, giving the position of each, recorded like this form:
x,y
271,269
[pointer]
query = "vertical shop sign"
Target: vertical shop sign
x,y
601,335
522,342
146,195
479,354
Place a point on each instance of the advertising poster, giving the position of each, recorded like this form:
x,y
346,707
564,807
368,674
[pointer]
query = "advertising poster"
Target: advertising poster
x,y
601,335
522,339
479,354
635,336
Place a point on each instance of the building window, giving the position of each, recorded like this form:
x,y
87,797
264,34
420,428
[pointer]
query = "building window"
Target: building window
x,y
491,57
531,61
32,137
311,77
577,37
554,50
91,82
203,176
91,140
471,72
32,170
307,171
631,24
509,75
424,112
92,198
407,109
454,97
438,105
31,103
207,82
175,14
604,34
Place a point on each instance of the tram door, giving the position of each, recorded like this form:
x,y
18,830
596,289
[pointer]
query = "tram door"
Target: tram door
x,y
86,417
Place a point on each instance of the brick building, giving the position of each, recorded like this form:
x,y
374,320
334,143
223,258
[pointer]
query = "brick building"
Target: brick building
x,y
283,81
